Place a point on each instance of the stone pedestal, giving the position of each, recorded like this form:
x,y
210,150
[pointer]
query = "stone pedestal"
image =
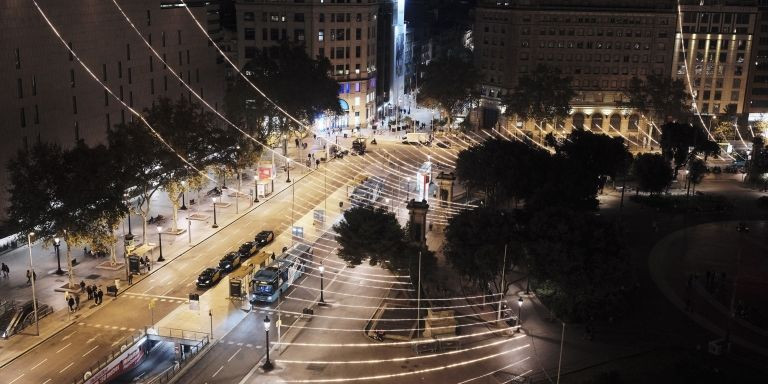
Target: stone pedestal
x,y
417,221
445,188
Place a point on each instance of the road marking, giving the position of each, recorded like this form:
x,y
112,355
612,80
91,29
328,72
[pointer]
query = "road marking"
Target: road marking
x,y
64,347
38,364
14,380
115,343
145,295
217,371
92,339
68,336
233,355
65,368
47,381
90,351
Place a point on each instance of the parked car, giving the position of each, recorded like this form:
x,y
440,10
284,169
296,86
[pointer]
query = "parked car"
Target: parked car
x,y
230,262
263,238
247,249
742,227
209,277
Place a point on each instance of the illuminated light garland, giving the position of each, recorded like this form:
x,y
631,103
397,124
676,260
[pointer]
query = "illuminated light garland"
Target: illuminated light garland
x,y
498,370
439,308
407,358
299,314
402,374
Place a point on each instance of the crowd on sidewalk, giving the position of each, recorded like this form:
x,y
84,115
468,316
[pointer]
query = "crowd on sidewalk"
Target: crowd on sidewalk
x,y
94,293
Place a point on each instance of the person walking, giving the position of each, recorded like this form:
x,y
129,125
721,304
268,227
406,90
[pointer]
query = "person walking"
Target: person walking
x,y
317,164
29,277
93,292
71,303
82,286
146,261
130,279
101,296
4,269
89,291
77,301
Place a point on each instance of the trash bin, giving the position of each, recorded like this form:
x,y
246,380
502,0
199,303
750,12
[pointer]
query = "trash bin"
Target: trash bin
x,y
112,289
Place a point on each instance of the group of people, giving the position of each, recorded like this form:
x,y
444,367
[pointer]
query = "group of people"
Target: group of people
x,y
93,292
30,275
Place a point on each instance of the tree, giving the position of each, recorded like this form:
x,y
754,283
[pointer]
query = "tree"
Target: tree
x,y
653,172
475,241
663,97
543,96
567,185
448,84
697,168
74,194
578,264
681,142
503,169
599,155
757,166
368,234
297,83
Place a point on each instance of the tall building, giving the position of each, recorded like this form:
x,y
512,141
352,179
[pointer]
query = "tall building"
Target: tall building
x,y
600,44
757,94
46,95
344,31
713,51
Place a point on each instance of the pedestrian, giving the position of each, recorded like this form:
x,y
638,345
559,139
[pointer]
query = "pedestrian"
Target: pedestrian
x,y
2,269
296,140
130,278
317,164
34,276
29,277
82,286
101,296
71,303
146,261
77,301
93,292
89,291
314,136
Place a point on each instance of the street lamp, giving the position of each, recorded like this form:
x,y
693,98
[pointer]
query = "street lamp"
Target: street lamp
x,y
519,311
160,243
322,269
267,364
32,271
56,244
214,213
183,198
255,189
288,169
128,203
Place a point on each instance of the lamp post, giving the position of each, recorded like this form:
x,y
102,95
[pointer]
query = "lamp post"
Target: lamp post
x,y
322,269
288,169
160,243
214,213
34,294
519,312
255,189
57,244
183,198
128,203
267,364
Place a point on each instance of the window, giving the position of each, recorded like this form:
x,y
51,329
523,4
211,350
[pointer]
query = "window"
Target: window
x,y
357,51
23,117
74,105
37,115
71,56
17,59
298,34
321,52
178,35
149,22
273,16
21,88
106,98
274,34
339,52
298,17
264,34
34,86
72,77
358,33
322,17
119,70
165,83
250,34
163,38
181,62
250,52
151,63
359,17
249,16
320,34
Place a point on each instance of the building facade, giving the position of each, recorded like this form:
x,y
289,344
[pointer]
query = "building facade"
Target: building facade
x,y
713,51
344,31
600,44
757,104
46,95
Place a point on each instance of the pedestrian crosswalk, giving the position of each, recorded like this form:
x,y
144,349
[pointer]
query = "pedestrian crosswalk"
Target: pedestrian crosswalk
x,y
168,299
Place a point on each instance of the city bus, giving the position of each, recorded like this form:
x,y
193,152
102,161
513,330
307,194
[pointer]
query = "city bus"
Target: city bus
x,y
269,283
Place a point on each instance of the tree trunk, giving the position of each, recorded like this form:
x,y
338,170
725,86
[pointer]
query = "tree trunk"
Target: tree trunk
x,y
112,253
70,271
175,206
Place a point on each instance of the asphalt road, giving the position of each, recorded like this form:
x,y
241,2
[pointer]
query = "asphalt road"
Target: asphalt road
x,y
65,356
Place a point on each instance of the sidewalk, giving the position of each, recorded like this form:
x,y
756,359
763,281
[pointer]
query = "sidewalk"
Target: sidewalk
x,y
92,271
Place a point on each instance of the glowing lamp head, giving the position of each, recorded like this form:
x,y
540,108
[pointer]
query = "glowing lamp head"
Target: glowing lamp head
x,y
267,322
322,269
159,229
520,302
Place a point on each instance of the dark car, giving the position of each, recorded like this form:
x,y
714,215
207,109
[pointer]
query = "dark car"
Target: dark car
x,y
209,277
247,249
230,262
442,144
742,227
263,238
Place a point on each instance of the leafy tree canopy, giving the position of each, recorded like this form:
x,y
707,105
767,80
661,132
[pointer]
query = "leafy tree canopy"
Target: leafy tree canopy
x,y
661,95
652,171
578,264
475,241
448,84
677,140
369,234
598,154
544,95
